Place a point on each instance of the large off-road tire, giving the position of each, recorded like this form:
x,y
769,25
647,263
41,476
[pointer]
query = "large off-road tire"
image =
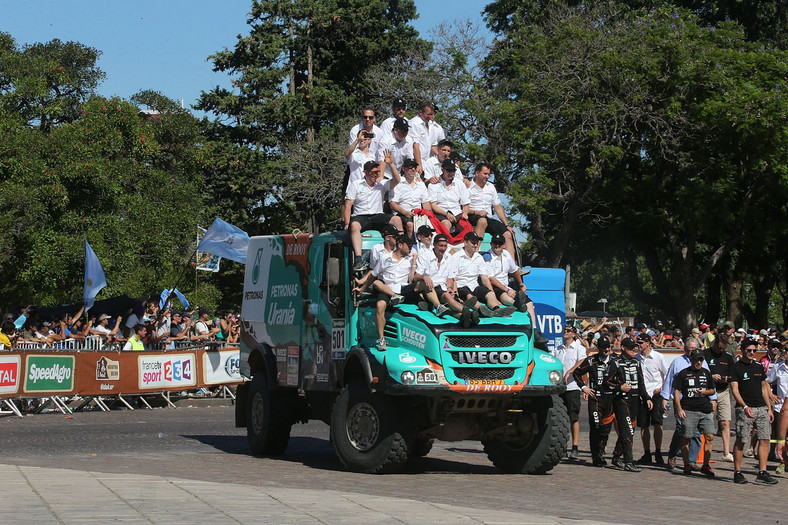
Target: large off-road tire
x,y
543,451
420,447
366,431
267,420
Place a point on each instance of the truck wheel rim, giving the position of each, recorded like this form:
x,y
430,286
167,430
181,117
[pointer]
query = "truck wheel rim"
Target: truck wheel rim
x,y
258,413
363,426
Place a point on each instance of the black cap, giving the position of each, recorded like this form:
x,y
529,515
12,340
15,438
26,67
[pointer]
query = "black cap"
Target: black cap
x,y
401,124
390,229
628,342
370,165
696,355
644,337
774,342
425,231
402,238
497,239
641,326
748,341
398,103
410,163
449,165
440,237
471,236
603,342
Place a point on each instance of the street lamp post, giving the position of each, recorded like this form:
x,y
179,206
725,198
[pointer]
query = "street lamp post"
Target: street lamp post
x,y
604,302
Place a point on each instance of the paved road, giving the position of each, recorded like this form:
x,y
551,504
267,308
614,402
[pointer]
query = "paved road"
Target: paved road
x,y
201,444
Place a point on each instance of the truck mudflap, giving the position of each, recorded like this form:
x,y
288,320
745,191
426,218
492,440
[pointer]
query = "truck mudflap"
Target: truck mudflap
x,y
399,389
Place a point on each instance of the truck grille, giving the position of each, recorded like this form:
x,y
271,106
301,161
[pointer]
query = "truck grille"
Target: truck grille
x,y
477,374
481,341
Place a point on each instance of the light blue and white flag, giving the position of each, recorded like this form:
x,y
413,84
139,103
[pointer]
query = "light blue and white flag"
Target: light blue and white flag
x,y
165,295
225,240
94,276
181,298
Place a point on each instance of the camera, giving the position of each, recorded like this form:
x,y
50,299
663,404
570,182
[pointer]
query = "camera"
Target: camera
x,y
368,135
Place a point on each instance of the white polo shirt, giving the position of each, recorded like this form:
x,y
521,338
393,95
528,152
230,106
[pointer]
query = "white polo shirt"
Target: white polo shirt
x,y
432,168
392,272
569,356
376,253
366,200
449,198
468,269
655,370
428,265
400,150
410,196
356,163
778,376
500,266
420,132
483,199
387,126
373,146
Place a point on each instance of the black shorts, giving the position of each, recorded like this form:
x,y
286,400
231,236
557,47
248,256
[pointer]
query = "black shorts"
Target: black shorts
x,y
480,292
439,291
494,226
646,417
571,399
375,221
499,293
405,220
407,291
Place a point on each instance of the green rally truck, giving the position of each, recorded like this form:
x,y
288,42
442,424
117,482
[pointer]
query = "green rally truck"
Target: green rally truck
x,y
308,348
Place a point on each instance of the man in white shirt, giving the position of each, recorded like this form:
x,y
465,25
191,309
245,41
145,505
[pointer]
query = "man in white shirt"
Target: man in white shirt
x,y
571,353
432,166
399,145
484,201
363,209
367,124
433,269
410,194
449,201
471,281
655,370
424,244
500,268
398,108
392,279
420,132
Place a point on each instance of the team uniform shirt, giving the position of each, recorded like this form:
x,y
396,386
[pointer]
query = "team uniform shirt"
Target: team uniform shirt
x,y
689,382
599,371
439,271
654,370
719,364
449,198
432,168
356,163
366,200
374,143
777,376
628,371
377,251
387,127
421,133
393,272
400,150
468,269
749,376
483,199
678,364
570,355
500,266
410,197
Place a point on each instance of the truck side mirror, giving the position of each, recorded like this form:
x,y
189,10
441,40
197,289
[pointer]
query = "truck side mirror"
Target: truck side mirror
x,y
332,271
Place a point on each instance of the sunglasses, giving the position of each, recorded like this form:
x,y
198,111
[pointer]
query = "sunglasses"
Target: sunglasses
x,y
365,117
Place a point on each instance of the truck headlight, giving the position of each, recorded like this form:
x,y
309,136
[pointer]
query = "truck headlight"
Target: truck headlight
x,y
555,377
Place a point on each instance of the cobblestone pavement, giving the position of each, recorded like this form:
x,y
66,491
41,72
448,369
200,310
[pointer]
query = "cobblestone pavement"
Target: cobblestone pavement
x,y
187,447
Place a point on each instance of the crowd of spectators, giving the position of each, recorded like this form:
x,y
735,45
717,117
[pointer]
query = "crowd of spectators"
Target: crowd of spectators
x,y
145,327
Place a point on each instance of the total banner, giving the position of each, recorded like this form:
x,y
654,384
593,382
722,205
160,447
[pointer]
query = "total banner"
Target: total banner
x,y
41,374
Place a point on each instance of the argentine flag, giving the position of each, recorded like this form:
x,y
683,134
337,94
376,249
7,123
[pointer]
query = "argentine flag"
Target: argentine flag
x,y
94,276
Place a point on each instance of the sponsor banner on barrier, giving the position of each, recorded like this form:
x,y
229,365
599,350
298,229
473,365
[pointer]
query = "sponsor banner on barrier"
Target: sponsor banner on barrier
x,y
221,367
166,371
9,373
49,373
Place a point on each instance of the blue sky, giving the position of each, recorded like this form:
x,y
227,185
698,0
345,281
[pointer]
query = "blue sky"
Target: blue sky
x,y
164,45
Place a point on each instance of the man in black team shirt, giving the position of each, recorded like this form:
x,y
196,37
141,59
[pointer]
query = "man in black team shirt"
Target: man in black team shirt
x,y
720,361
753,409
599,393
631,389
691,390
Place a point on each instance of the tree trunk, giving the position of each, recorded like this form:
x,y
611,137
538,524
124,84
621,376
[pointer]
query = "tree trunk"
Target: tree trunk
x,y
763,293
733,297
712,312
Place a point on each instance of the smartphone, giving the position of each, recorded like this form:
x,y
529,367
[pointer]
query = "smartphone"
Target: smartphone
x,y
368,135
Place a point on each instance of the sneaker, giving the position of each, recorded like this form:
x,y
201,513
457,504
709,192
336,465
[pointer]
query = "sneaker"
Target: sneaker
x,y
728,458
706,471
521,301
658,458
503,311
739,478
485,311
765,477
671,463
780,469
645,459
359,265
382,343
441,310
475,317
471,302
749,454
423,306
396,299
465,317
617,462
574,455
599,461
631,467
687,470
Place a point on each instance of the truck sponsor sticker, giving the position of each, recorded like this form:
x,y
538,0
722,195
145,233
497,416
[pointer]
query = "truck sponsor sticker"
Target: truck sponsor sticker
x,y
166,371
49,373
407,358
413,338
292,365
9,374
546,358
484,357
426,376
338,349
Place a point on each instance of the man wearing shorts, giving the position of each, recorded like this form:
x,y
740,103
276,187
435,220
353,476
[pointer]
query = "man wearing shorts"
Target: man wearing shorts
x,y
410,194
471,280
753,411
500,268
433,270
720,362
692,388
571,353
654,371
449,201
484,201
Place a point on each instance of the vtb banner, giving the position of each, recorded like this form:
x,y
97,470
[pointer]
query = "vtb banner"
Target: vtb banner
x,y
41,374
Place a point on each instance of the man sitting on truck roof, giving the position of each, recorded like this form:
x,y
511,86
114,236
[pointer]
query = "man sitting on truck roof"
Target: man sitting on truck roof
x,y
365,199
392,279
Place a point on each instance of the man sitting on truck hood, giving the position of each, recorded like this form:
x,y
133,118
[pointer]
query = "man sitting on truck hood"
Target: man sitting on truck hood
x,y
392,279
432,269
501,267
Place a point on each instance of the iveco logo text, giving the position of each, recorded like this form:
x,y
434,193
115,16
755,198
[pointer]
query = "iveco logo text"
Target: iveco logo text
x,y
492,358
413,337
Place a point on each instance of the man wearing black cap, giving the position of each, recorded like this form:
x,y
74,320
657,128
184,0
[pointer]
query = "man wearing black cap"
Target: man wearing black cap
x,y
398,108
600,367
692,389
409,195
389,244
500,268
399,145
484,202
471,281
432,166
423,244
434,269
368,127
753,410
363,208
449,201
